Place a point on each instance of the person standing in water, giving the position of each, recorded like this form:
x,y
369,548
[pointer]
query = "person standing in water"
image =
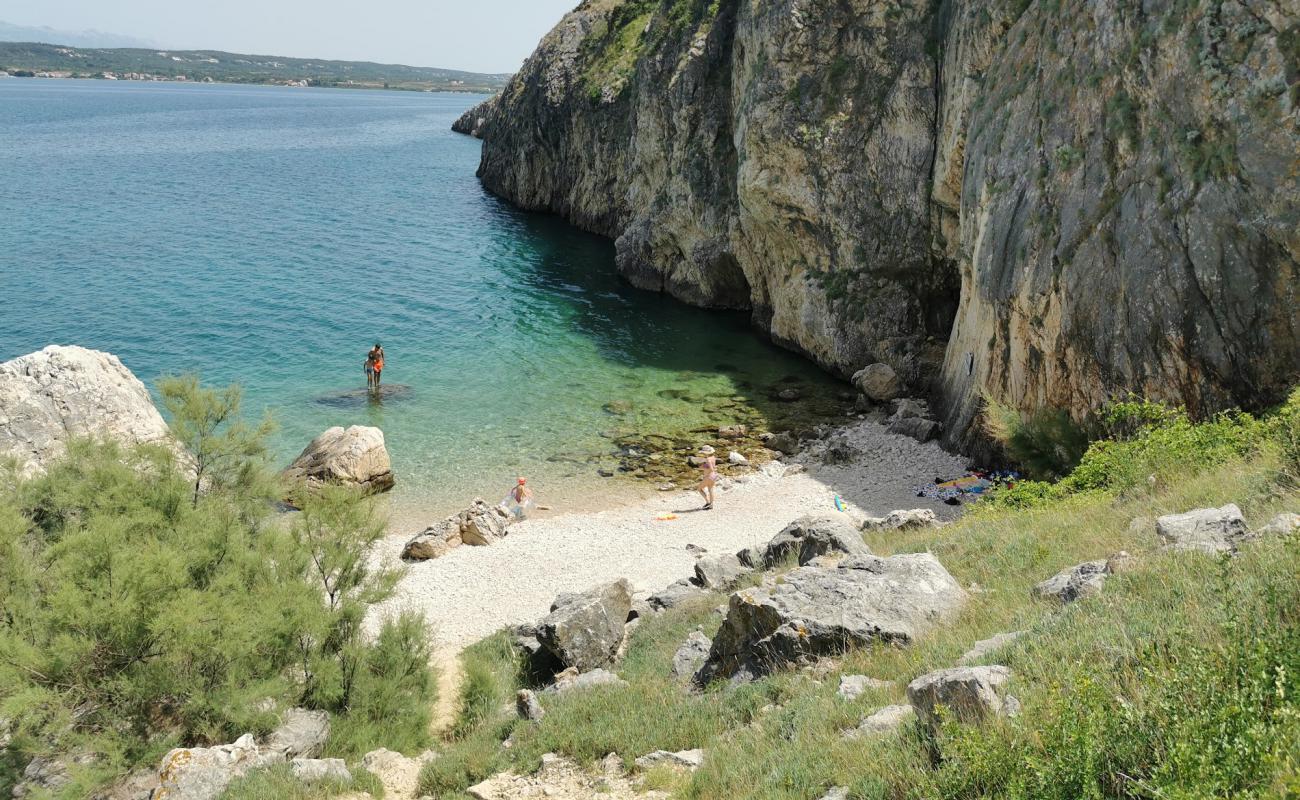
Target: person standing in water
x,y
709,466
374,366
519,499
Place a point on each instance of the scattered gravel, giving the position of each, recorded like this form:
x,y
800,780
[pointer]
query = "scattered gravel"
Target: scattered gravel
x,y
475,591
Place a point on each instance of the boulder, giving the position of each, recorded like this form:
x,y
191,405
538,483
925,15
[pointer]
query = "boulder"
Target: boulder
x,y
785,442
732,431
203,773
984,647
46,776
61,393
354,456
902,520
399,775
316,770
528,707
852,686
967,694
909,408
675,594
571,680
815,611
585,630
480,524
751,557
922,430
303,733
1209,530
691,655
790,540
736,459
719,572
878,382
1074,583
683,759
841,538
1282,525
882,721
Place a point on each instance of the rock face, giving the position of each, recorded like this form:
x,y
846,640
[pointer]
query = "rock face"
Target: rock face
x,y
585,630
60,393
862,177
968,694
354,456
1210,530
479,524
818,611
471,122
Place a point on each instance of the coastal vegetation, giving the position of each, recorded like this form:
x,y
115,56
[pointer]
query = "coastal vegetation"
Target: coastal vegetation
x,y
138,617
28,58
1179,680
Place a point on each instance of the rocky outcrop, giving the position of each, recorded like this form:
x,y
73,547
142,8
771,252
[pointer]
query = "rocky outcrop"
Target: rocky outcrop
x,y
793,538
471,122
816,611
964,694
61,393
1043,204
203,773
478,525
585,631
1209,530
399,775
354,456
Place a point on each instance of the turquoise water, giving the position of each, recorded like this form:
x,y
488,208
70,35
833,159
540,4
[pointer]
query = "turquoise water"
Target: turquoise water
x,y
269,236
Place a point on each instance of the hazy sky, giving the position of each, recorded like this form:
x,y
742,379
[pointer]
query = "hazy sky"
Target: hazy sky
x,y
476,35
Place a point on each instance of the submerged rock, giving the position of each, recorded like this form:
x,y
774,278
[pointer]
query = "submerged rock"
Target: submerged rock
x,y
360,398
354,456
61,393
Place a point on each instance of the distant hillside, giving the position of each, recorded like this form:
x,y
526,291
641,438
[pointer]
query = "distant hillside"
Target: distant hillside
x,y
23,58
10,32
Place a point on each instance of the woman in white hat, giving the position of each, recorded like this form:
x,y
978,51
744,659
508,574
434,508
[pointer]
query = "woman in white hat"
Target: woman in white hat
x,y
708,466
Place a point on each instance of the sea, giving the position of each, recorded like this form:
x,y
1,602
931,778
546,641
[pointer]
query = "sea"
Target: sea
x,y
269,236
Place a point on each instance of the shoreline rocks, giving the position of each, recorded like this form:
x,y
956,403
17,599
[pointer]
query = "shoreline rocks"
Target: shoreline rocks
x,y
478,525
354,456
65,392
585,631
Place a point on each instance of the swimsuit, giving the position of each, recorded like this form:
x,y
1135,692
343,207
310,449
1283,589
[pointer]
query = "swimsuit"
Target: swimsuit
x,y
712,464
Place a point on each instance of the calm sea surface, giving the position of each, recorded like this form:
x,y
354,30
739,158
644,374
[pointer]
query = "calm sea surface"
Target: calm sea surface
x,y
269,236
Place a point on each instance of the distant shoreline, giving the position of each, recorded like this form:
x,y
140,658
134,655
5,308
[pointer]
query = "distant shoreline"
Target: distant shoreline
x,y
44,60
28,74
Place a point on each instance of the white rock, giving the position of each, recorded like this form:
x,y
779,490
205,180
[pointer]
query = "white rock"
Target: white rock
x,y
902,520
737,459
684,759
315,770
60,393
882,720
853,686
1209,530
878,381
399,775
354,456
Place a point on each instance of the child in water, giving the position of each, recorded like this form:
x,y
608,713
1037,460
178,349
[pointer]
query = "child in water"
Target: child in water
x,y
520,499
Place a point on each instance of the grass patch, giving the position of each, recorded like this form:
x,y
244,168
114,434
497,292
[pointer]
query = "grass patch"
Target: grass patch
x,y
279,783
1178,680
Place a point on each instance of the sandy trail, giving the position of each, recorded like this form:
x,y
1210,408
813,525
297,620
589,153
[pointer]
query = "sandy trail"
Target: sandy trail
x,y
474,591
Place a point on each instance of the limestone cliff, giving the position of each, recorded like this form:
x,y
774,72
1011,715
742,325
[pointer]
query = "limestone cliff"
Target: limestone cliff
x,y
1045,201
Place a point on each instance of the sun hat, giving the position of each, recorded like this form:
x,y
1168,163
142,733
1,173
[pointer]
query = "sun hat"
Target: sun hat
x,y
707,450
522,481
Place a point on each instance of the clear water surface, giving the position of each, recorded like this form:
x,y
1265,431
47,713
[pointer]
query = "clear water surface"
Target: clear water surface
x,y
269,236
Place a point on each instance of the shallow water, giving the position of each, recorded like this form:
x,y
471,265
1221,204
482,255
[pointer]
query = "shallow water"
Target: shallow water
x,y
269,236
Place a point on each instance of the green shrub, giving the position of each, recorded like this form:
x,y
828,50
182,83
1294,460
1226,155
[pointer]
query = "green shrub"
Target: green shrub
x,y
1046,444
137,617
